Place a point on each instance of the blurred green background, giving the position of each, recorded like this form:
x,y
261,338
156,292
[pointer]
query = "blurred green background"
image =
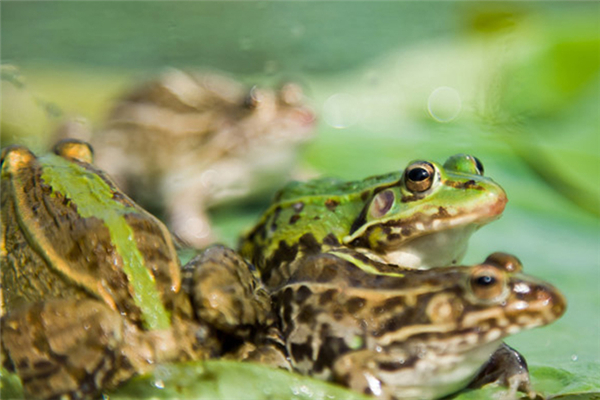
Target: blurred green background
x,y
516,84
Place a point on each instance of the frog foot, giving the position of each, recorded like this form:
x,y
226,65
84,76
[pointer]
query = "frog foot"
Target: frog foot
x,y
226,292
506,367
66,349
264,354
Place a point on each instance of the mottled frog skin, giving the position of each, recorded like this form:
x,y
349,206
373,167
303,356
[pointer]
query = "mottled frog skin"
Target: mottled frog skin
x,y
186,141
420,217
92,291
419,334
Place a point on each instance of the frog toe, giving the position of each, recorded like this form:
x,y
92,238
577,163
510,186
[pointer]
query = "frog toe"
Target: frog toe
x,y
508,368
65,349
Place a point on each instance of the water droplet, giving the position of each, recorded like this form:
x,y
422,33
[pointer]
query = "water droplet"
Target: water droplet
x,y
341,110
306,391
159,384
574,357
444,104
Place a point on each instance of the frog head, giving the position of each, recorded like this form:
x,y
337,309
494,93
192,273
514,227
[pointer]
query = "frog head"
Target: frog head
x,y
426,218
500,300
459,318
481,304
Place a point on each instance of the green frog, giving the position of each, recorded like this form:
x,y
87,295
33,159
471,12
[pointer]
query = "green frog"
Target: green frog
x,y
420,217
410,333
92,289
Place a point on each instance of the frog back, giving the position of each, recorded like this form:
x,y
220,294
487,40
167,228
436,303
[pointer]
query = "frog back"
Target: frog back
x,y
68,232
305,216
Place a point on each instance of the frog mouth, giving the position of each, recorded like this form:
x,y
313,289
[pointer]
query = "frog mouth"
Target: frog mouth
x,y
435,239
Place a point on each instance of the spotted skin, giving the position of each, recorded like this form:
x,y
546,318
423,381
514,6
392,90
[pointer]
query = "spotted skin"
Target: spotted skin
x,y
422,335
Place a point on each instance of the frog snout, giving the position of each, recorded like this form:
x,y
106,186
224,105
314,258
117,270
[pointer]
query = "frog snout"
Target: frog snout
x,y
558,302
500,201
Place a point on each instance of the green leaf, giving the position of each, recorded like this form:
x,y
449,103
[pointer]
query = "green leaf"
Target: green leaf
x,y
229,380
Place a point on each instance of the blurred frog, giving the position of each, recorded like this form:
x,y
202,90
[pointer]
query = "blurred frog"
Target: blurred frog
x,y
184,142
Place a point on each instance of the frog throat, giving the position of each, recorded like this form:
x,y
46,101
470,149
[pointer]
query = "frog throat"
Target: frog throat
x,y
94,198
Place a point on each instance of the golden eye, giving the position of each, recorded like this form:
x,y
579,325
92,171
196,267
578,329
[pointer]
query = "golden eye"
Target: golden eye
x,y
382,203
16,156
74,149
419,176
487,283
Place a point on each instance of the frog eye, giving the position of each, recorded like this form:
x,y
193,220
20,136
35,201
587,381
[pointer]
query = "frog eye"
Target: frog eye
x,y
382,203
487,283
464,163
16,156
254,98
419,176
74,149
478,165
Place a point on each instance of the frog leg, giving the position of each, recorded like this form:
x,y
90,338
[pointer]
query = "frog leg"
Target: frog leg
x,y
508,368
365,371
267,349
184,208
226,292
69,348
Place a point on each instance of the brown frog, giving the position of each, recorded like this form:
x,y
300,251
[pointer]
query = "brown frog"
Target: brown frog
x,y
410,334
92,290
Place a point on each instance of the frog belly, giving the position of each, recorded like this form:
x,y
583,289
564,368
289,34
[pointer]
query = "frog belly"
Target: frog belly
x,y
437,375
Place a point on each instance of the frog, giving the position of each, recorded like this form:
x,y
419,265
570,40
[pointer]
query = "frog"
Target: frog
x,y
92,289
187,141
411,333
419,217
